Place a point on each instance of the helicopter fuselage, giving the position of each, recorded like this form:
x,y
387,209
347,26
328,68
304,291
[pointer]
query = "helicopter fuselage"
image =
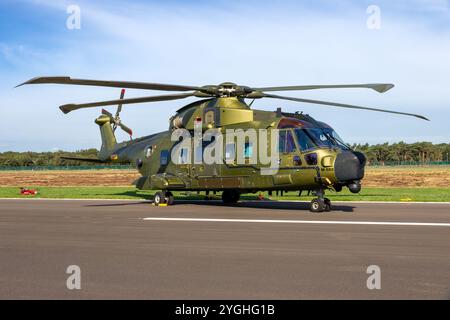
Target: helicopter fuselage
x,y
309,154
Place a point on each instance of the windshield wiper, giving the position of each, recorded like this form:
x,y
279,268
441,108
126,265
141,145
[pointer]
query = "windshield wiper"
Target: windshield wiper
x,y
338,141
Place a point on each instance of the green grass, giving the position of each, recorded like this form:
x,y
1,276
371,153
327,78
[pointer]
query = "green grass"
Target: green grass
x,y
367,194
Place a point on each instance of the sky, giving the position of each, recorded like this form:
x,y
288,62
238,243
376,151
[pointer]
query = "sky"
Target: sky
x,y
253,43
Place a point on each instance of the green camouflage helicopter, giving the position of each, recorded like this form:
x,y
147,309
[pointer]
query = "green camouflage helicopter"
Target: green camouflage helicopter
x,y
304,154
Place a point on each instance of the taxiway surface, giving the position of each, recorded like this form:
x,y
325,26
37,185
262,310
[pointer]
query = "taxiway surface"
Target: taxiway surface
x,y
204,250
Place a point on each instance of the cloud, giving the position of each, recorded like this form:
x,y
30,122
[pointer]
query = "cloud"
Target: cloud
x,y
257,45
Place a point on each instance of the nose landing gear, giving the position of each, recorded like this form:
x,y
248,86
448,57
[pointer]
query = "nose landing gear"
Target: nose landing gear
x,y
320,204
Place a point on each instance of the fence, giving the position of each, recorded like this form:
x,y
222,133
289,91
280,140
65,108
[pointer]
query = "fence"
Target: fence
x,y
407,163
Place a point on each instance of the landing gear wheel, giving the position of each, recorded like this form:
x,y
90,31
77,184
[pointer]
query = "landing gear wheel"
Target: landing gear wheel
x,y
317,205
168,197
230,196
159,198
327,204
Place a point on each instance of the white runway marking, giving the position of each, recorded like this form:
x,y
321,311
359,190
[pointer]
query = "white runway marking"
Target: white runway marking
x,y
377,223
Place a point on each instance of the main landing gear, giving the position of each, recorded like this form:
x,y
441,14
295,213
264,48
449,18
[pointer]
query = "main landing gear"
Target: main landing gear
x,y
320,204
230,196
163,198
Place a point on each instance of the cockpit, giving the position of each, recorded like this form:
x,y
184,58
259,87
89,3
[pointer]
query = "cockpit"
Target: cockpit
x,y
308,137
313,138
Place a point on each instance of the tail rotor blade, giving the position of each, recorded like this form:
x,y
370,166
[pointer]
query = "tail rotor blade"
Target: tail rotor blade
x,y
107,113
119,106
116,120
126,129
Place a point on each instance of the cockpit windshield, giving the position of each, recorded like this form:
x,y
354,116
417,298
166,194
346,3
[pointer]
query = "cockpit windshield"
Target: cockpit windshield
x,y
312,138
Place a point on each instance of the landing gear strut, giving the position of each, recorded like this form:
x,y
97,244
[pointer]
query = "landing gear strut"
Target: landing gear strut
x,y
320,204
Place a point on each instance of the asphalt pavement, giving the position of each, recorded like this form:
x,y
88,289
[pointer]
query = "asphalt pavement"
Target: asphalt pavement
x,y
205,250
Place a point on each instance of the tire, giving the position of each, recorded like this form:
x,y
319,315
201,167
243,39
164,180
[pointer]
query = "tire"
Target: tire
x,y
317,205
159,198
236,196
169,199
230,196
327,205
226,196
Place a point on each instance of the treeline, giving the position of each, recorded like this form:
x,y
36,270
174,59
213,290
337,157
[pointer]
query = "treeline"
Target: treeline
x,y
404,153
400,153
36,159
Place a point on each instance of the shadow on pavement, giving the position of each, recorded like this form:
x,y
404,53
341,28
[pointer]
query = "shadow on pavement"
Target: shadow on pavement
x,y
265,204
119,204
244,203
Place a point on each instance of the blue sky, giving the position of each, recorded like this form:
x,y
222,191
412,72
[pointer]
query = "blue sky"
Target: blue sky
x,y
255,43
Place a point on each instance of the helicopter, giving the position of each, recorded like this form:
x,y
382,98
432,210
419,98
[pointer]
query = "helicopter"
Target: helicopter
x,y
306,154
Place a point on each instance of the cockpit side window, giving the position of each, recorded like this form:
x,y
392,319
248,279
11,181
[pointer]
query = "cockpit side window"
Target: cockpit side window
x,y
304,140
286,142
290,144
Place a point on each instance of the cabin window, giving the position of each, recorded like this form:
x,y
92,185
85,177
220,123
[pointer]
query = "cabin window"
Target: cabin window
x,y
297,161
206,143
286,142
198,153
248,150
148,151
230,151
139,163
184,156
164,157
209,117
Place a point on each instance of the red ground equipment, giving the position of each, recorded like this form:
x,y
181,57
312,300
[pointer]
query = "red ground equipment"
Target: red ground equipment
x,y
28,192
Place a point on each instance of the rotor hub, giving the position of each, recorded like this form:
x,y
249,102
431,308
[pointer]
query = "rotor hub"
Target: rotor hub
x,y
230,89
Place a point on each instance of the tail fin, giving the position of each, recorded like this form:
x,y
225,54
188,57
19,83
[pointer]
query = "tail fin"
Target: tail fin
x,y
108,139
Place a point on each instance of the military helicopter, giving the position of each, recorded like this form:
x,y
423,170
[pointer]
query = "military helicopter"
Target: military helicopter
x,y
310,154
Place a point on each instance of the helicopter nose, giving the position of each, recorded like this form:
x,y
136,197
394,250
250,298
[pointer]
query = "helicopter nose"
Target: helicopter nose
x,y
349,166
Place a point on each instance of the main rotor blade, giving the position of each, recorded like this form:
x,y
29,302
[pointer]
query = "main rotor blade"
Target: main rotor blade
x,y
342,105
114,84
379,87
71,107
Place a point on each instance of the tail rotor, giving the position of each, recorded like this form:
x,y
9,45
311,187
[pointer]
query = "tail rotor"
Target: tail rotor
x,y
115,120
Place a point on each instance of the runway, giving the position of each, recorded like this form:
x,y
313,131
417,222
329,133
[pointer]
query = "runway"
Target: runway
x,y
204,250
